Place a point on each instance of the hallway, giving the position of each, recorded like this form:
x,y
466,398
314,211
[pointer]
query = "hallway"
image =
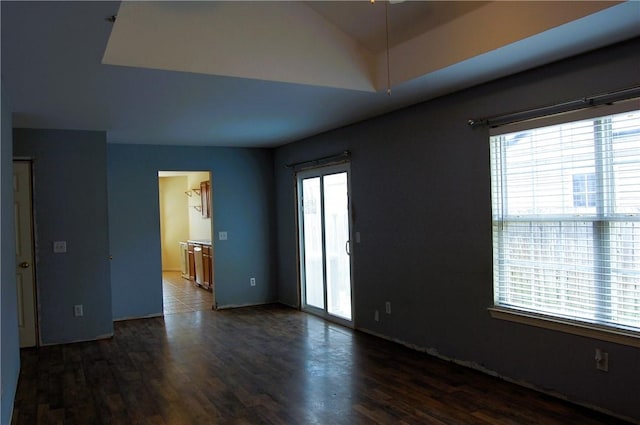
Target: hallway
x,y
181,295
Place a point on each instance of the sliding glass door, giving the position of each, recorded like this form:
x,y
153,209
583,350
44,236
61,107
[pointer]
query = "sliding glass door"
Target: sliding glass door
x,y
324,233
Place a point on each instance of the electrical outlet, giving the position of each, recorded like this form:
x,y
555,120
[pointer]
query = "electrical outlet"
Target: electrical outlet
x,y
602,360
376,316
387,307
78,311
222,236
59,247
252,281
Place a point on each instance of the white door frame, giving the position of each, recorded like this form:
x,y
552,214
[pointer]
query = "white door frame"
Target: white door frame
x,y
319,172
25,259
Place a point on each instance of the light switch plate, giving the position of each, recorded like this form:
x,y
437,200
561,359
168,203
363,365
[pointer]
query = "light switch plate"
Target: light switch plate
x,y
222,236
59,247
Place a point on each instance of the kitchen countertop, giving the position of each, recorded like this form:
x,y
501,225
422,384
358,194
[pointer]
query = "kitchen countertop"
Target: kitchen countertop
x,y
200,241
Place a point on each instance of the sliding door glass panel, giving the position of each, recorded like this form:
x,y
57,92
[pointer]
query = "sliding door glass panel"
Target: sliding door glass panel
x,y
312,231
336,228
324,221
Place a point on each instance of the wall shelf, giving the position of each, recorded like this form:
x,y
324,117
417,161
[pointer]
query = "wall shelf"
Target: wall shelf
x,y
190,192
204,193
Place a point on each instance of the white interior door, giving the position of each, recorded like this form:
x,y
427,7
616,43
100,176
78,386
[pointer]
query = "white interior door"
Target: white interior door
x,y
324,233
25,278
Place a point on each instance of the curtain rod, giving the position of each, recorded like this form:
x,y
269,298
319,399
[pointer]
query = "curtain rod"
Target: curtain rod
x,y
586,102
324,160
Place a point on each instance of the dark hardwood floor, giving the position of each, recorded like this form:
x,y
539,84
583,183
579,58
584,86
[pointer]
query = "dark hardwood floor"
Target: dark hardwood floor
x,y
265,365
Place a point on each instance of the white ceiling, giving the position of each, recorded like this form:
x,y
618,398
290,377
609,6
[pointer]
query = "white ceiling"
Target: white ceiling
x,y
268,73
405,22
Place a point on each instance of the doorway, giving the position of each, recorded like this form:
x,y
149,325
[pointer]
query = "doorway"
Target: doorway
x,y
25,270
324,229
186,228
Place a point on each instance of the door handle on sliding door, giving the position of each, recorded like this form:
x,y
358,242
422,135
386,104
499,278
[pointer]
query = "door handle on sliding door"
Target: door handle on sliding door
x,y
347,247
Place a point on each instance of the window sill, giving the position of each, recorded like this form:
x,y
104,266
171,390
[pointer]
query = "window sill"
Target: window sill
x,y
618,336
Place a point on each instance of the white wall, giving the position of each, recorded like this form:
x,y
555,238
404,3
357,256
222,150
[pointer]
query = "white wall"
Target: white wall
x,y
174,219
199,226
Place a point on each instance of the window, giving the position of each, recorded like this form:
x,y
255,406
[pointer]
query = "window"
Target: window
x,y
566,219
584,190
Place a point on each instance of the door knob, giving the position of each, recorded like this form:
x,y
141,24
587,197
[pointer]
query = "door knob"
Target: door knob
x,y
24,265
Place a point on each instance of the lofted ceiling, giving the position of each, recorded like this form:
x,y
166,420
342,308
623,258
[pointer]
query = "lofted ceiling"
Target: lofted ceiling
x,y
262,74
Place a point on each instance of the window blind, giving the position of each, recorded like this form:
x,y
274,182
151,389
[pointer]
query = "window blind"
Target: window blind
x,y
566,216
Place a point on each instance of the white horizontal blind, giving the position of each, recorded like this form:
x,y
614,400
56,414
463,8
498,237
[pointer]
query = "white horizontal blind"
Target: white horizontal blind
x,y
566,219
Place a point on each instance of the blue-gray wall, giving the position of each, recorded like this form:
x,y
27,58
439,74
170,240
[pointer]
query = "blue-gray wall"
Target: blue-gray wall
x,y
242,186
421,200
10,355
422,205
70,204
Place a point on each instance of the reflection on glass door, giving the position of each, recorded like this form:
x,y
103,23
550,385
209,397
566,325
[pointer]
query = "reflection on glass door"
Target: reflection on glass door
x,y
325,272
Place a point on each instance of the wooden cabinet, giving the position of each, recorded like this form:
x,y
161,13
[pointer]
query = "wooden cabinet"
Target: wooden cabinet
x,y
205,198
200,252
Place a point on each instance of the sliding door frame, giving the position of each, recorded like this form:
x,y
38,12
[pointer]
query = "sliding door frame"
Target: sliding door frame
x,y
320,172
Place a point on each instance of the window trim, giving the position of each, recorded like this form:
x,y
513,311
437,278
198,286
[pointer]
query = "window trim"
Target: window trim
x,y
575,327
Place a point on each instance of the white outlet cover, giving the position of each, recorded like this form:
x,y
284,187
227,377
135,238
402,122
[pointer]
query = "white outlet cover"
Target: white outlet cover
x,y
222,236
59,247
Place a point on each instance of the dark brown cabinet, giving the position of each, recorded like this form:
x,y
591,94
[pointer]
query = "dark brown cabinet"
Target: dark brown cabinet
x,y
200,263
205,198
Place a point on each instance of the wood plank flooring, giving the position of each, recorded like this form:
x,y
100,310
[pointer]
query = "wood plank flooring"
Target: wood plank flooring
x,y
265,365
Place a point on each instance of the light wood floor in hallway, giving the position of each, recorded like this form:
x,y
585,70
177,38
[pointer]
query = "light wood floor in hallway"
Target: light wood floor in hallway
x,y
182,295
265,365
